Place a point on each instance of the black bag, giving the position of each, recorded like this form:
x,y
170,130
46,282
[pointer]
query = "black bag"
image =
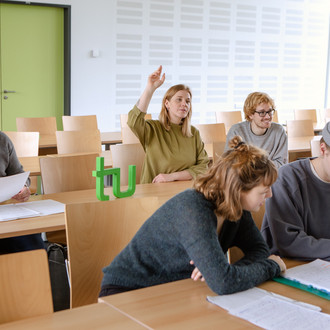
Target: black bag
x,y
57,254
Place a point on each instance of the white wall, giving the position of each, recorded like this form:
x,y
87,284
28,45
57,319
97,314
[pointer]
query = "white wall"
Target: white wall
x,y
223,49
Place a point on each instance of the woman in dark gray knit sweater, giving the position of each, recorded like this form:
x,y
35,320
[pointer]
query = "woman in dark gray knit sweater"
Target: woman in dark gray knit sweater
x,y
196,228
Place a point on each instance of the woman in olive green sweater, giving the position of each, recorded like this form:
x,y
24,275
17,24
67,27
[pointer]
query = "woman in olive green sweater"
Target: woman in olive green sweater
x,y
174,149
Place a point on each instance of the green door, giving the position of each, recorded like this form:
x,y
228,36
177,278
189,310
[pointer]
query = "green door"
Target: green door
x,y
32,63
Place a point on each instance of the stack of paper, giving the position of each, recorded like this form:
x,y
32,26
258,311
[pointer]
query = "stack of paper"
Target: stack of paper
x,y
11,185
272,311
30,209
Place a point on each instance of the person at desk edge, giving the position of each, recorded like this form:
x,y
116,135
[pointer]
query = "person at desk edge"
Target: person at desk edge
x,y
259,129
196,228
174,149
296,223
10,165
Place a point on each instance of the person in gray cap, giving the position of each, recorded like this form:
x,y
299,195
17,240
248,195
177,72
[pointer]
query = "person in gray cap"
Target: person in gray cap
x,y
297,218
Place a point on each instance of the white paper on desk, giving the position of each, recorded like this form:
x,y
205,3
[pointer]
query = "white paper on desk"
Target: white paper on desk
x,y
272,311
11,185
315,274
16,211
277,314
30,209
45,207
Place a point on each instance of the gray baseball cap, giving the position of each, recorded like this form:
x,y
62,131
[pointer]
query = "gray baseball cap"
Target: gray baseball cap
x,y
326,133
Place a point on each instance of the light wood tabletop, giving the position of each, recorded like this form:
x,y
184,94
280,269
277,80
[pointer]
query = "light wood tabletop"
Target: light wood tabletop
x,y
32,165
95,316
302,143
19,227
183,304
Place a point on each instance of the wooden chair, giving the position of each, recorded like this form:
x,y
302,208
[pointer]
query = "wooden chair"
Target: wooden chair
x,y
326,113
96,233
124,118
128,137
69,142
275,117
79,123
24,285
212,132
60,173
26,143
315,148
127,154
43,125
297,128
218,149
235,253
305,114
229,118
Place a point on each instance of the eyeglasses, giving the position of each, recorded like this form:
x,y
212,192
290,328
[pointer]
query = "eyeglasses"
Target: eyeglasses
x,y
264,113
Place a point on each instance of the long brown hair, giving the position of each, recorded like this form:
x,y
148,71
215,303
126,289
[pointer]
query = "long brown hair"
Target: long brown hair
x,y
164,116
239,169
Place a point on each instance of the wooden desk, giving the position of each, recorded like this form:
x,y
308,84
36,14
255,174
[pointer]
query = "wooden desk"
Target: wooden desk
x,y
19,227
183,305
95,316
109,138
32,164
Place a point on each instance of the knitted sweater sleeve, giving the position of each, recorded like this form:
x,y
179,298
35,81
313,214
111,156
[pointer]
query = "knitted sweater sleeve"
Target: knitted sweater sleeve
x,y
202,246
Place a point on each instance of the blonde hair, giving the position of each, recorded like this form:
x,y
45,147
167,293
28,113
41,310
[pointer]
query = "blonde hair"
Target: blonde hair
x,y
253,100
164,116
239,169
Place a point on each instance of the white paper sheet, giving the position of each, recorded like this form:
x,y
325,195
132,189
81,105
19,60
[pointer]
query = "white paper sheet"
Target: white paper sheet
x,y
11,185
30,209
272,311
315,274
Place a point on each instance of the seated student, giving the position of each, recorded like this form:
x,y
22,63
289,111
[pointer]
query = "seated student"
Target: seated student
x,y
174,149
297,218
259,130
10,165
199,225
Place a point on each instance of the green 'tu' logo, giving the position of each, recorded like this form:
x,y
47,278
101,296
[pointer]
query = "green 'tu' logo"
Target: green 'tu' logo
x,y
101,172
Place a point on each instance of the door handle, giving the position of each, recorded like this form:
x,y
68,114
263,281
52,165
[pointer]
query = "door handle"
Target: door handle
x,y
7,91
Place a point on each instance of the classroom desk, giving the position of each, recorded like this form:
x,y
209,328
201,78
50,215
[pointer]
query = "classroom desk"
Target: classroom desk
x,y
95,316
109,138
183,305
19,227
32,165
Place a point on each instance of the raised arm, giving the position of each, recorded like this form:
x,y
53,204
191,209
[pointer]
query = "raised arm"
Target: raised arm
x,y
155,80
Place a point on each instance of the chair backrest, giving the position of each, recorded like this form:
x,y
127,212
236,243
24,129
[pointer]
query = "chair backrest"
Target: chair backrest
x,y
43,125
212,132
327,113
229,118
24,285
218,149
78,123
96,233
297,128
315,148
69,142
60,173
301,114
26,143
127,154
124,118
275,117
128,137
235,253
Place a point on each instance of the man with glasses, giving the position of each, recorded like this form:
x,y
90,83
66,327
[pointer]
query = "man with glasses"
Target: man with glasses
x,y
259,130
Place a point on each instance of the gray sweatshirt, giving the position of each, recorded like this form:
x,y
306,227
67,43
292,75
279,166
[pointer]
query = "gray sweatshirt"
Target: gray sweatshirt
x,y
274,141
297,218
184,229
